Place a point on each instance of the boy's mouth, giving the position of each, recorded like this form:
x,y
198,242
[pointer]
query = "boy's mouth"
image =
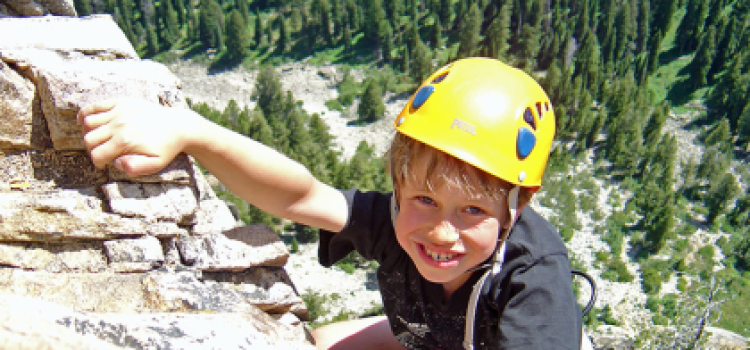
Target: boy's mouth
x,y
440,257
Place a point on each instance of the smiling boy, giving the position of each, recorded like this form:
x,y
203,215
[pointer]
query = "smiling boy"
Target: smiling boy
x,y
463,261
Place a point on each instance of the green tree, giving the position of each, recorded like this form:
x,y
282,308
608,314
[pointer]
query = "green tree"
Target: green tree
x,y
469,32
237,37
211,24
268,93
720,136
701,63
720,195
422,65
371,107
258,29
171,24
663,14
83,7
375,14
688,33
284,39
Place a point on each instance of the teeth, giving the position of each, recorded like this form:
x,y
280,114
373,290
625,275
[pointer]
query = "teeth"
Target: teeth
x,y
438,256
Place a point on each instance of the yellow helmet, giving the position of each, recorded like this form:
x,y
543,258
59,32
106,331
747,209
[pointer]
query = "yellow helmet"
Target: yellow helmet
x,y
486,113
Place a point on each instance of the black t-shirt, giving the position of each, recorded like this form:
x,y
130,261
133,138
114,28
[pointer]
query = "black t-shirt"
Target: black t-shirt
x,y
529,304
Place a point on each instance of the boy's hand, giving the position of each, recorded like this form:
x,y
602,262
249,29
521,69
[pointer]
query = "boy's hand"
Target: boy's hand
x,y
140,137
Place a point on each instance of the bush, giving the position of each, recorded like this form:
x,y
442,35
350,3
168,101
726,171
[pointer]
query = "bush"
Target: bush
x,y
315,303
651,281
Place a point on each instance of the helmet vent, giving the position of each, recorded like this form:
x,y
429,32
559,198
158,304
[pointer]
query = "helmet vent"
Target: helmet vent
x,y
439,78
528,117
421,96
539,110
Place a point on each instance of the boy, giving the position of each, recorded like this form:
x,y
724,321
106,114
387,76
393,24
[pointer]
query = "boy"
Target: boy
x,y
469,153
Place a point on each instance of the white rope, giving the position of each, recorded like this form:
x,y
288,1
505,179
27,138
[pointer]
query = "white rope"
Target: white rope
x,y
498,258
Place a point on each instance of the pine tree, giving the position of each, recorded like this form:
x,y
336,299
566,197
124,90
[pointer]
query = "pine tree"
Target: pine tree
x,y
469,32
743,125
211,24
371,107
422,66
529,45
726,46
259,130
720,195
654,47
498,34
625,33
284,39
83,7
689,31
375,15
268,94
662,15
237,39
701,63
258,29
243,8
644,25
171,21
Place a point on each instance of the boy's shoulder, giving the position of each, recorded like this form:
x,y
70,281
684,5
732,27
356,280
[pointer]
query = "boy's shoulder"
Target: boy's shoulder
x,y
535,235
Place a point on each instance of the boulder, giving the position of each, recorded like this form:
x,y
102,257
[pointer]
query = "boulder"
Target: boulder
x,y
96,259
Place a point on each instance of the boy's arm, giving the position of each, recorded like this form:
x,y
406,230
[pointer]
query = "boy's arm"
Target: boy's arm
x,y
141,138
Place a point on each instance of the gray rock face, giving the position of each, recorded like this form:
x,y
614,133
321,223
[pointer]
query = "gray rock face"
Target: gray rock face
x,y
103,260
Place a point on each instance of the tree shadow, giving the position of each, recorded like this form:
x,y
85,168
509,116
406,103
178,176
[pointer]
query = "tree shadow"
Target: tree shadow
x,y
681,91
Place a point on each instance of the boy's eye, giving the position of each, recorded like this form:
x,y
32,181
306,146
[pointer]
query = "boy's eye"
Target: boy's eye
x,y
426,200
474,210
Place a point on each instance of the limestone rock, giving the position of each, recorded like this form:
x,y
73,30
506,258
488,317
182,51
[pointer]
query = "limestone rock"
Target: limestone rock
x,y
160,201
22,123
140,262
49,170
179,171
41,226
235,250
67,85
268,288
149,331
213,216
134,255
99,292
50,257
97,34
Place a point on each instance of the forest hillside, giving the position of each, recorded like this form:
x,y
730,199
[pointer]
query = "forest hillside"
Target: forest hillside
x,y
649,175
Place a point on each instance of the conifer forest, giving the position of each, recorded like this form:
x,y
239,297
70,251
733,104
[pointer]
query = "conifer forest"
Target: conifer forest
x,y
617,72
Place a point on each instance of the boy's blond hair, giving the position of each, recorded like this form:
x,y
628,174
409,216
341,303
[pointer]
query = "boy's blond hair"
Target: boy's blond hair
x,y
443,170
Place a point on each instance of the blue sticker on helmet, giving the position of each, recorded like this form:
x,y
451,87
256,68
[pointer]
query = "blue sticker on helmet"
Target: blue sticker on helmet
x,y
421,96
526,142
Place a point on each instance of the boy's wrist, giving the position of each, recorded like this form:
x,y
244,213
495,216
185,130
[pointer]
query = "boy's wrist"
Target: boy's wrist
x,y
193,132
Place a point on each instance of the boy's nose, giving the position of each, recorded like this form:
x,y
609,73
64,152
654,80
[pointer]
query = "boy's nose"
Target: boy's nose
x,y
444,233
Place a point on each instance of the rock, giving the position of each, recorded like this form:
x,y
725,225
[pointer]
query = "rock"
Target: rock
x,y
235,250
110,250
57,258
152,331
43,226
94,34
213,216
179,171
134,255
268,288
20,118
160,201
49,170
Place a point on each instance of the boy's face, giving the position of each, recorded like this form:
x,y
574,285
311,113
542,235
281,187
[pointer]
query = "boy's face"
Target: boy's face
x,y
447,231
